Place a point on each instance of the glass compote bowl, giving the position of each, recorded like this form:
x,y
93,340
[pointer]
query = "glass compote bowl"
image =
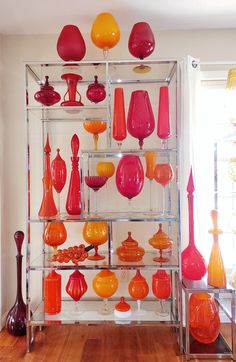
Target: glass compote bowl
x,y
161,288
160,241
105,285
163,175
95,127
95,183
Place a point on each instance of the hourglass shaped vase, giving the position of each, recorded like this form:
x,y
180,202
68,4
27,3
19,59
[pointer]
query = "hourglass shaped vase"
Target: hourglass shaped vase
x,y
138,290
216,271
105,284
161,241
163,175
140,120
58,169
54,234
163,120
95,233
119,132
76,287
150,158
161,288
71,80
73,202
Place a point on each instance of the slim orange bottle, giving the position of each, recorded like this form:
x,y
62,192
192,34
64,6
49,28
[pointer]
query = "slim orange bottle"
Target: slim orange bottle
x,y
52,293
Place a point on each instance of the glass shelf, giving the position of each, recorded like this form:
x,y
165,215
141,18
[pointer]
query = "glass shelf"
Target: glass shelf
x,y
120,153
44,262
112,216
91,314
198,286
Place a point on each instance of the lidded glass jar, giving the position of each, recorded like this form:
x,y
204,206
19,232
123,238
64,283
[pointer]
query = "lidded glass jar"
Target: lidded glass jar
x,y
129,250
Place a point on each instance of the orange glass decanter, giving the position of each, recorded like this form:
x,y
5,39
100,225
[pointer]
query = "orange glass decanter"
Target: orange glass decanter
x,y
95,233
54,234
216,271
204,318
95,127
76,287
52,293
150,158
105,285
161,241
138,289
129,250
48,208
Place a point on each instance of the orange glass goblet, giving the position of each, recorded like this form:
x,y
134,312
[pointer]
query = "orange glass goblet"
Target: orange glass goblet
x,y
138,289
54,234
95,127
161,288
160,241
105,285
163,174
95,233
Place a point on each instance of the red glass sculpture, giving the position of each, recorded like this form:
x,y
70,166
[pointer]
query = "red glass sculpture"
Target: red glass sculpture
x,y
76,286
141,40
52,293
96,91
16,317
58,169
161,288
204,321
71,80
138,289
193,263
129,176
70,44
140,120
73,202
48,208
119,120
163,120
47,95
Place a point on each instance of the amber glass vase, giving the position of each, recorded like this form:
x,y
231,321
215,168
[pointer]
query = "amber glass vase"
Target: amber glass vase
x,y
105,285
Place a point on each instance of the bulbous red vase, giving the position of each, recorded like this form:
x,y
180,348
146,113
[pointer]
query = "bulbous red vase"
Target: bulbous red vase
x,y
70,44
96,91
129,176
47,95
140,120
76,286
141,40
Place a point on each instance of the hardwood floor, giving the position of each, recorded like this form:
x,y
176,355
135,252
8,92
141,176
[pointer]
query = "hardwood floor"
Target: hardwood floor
x,y
94,344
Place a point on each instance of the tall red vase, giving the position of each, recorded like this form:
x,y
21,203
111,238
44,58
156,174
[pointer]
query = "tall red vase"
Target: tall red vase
x,y
140,120
141,40
129,176
163,120
70,44
73,202
119,121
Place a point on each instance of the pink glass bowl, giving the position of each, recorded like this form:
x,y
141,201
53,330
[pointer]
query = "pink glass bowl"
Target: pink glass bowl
x,y
95,182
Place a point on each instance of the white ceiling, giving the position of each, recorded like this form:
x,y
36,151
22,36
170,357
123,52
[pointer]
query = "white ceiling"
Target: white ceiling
x,y
49,16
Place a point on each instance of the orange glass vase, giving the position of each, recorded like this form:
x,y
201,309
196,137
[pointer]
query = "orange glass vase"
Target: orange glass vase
x,y
95,127
138,289
129,250
54,234
105,285
52,293
95,233
150,158
160,241
216,271
204,318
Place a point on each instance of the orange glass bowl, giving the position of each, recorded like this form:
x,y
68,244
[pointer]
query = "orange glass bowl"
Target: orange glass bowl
x,y
160,241
204,318
105,283
129,250
95,233
54,234
106,169
95,127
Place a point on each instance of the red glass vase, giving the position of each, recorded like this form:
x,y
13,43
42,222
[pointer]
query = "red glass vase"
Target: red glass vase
x,y
59,173
129,176
204,321
73,202
141,40
71,80
16,317
163,120
140,120
48,208
76,286
47,95
70,44
119,132
96,91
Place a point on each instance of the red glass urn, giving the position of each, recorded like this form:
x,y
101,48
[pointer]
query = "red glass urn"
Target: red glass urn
x,y
76,286
46,95
96,91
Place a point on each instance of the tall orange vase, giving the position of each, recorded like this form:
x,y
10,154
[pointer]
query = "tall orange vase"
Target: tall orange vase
x,y
52,293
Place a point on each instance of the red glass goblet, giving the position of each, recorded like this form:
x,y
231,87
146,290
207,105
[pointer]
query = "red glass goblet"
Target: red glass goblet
x,y
95,183
163,175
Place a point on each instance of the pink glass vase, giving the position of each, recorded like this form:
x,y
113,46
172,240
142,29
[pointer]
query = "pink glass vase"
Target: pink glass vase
x,y
140,120
163,120
119,132
129,176
71,80
70,44
73,202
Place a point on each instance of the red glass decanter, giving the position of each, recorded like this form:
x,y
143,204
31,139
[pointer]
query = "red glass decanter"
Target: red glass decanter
x,y
48,208
96,91
59,173
73,202
76,286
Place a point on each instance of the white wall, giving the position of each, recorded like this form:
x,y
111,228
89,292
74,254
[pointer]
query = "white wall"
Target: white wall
x,y
207,45
2,266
